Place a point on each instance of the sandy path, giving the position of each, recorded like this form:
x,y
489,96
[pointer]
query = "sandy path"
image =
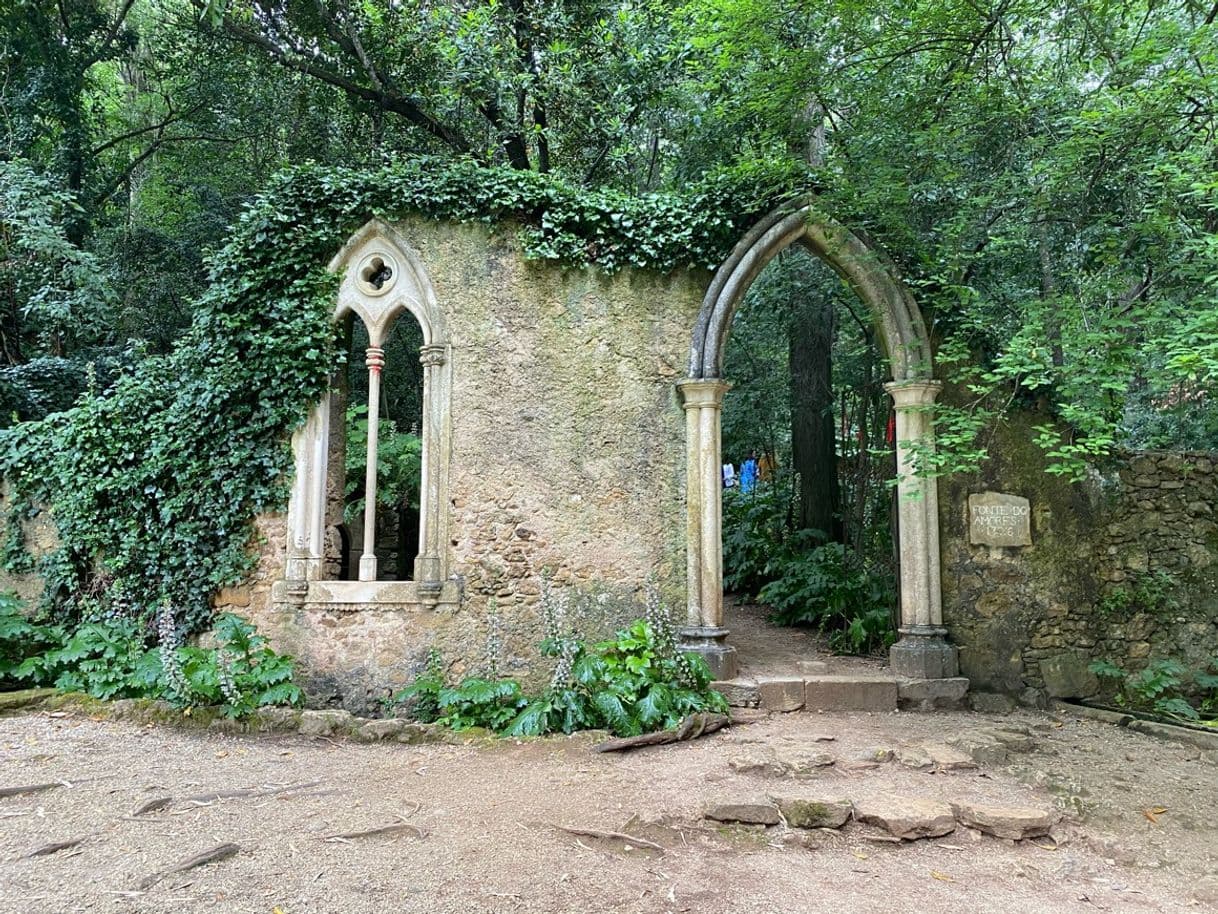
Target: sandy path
x,y
490,845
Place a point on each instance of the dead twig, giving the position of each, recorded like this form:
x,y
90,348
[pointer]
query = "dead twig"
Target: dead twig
x,y
151,806
30,788
392,828
212,855
609,835
55,847
212,796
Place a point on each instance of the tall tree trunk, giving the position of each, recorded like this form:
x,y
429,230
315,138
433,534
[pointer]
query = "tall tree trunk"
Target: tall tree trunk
x,y
813,444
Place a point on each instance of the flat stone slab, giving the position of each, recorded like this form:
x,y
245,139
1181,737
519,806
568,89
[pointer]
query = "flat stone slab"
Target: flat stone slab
x,y
781,694
760,812
850,693
805,812
761,762
948,758
914,757
907,818
806,763
1014,822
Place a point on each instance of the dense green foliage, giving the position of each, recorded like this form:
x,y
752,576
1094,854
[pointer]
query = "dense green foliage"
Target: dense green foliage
x,y
803,580
108,658
634,683
1165,687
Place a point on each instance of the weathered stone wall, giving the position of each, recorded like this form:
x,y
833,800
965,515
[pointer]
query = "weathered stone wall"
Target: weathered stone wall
x,y
1122,567
567,456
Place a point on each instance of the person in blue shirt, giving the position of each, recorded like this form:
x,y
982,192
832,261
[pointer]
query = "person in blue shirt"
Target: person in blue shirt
x,y
748,473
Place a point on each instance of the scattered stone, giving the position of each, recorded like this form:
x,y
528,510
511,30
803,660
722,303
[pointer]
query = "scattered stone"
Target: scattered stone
x,y
276,720
376,730
906,817
814,813
980,747
879,754
991,703
325,723
758,813
1016,823
781,694
807,764
760,762
914,757
945,758
413,734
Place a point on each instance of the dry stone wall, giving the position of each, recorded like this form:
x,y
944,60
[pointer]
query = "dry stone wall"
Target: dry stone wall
x,y
1122,567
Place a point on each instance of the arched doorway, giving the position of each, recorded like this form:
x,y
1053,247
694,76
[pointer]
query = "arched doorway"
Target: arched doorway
x,y
922,651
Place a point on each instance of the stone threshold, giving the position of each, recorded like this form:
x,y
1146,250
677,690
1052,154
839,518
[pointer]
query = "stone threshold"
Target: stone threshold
x,y
843,693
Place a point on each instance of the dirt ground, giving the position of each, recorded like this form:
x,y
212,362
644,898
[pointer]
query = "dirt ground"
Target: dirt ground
x,y
488,813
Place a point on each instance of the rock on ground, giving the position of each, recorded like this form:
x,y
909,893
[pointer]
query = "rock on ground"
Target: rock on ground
x,y
814,813
750,813
906,817
1006,821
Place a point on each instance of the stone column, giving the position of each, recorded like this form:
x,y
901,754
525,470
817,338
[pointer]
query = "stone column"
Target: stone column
x,y
704,632
922,651
427,566
375,360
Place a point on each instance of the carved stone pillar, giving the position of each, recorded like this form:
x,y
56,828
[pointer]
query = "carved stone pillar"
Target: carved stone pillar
x,y
375,360
704,632
428,567
922,651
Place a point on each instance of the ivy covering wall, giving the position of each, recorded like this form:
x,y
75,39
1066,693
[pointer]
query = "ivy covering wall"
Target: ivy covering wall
x,y
153,482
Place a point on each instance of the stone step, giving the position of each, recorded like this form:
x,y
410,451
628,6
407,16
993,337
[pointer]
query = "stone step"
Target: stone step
x,y
812,693
856,692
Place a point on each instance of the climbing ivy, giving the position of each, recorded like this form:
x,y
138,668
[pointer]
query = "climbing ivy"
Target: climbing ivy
x,y
153,482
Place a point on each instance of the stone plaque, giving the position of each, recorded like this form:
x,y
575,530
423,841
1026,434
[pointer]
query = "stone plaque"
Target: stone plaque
x,y
995,519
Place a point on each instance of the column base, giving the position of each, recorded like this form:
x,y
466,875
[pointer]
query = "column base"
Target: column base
x,y
708,643
367,567
923,653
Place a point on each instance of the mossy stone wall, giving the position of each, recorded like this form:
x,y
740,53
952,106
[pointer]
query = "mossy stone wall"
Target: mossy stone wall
x,y
1122,567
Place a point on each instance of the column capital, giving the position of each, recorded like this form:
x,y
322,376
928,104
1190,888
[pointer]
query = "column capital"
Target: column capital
x,y
699,392
433,354
907,394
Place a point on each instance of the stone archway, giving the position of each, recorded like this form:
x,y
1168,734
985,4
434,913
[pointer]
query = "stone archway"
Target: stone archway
x,y
922,651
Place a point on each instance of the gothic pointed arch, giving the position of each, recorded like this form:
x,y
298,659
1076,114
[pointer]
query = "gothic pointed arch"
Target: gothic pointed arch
x,y
922,651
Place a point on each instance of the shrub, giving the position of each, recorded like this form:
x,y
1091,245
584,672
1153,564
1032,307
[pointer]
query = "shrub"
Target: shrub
x,y
636,682
109,659
1165,687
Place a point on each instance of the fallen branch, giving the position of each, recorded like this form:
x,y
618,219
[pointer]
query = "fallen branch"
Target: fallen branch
x,y
392,828
691,728
213,855
29,788
55,847
610,835
214,795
